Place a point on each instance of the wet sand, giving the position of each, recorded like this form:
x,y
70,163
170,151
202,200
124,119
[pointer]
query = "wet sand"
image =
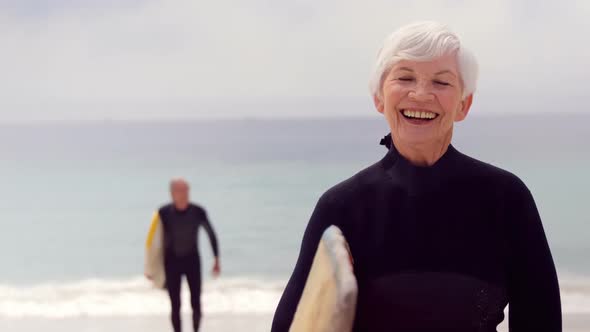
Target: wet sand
x,y
211,323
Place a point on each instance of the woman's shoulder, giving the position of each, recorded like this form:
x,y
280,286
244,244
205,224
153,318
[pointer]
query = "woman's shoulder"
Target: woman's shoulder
x,y
354,186
506,179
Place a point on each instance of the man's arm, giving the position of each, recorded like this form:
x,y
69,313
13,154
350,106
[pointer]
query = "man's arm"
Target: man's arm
x,y
211,233
214,246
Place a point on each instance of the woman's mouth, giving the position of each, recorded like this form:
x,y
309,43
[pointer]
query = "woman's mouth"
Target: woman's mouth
x,y
418,115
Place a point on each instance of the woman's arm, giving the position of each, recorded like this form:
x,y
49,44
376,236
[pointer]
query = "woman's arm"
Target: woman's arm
x,y
322,217
533,289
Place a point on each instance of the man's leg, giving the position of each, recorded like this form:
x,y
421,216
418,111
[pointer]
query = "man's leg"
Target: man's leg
x,y
193,276
173,282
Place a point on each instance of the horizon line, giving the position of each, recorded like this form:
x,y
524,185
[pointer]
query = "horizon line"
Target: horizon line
x,y
176,120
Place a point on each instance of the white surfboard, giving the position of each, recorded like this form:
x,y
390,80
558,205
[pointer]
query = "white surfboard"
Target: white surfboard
x,y
328,302
154,254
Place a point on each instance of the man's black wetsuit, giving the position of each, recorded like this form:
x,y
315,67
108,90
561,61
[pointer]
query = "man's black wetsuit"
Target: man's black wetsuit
x,y
182,256
440,248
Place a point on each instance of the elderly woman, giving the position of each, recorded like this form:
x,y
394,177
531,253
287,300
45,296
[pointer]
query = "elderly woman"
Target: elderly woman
x,y
440,241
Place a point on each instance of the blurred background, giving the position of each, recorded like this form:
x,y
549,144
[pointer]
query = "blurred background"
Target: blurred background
x,y
263,105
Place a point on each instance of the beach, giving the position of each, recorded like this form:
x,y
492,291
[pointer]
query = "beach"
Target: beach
x,y
211,323
214,323
77,202
228,305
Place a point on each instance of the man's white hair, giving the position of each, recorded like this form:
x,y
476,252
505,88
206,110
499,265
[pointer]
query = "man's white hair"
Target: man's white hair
x,y
423,41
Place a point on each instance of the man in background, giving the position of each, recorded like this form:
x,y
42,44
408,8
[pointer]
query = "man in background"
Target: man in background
x,y
181,221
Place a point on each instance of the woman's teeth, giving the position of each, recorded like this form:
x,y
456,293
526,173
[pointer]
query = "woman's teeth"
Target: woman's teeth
x,y
419,114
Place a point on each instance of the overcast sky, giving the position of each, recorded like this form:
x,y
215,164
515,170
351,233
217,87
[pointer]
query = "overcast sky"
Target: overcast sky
x,y
145,59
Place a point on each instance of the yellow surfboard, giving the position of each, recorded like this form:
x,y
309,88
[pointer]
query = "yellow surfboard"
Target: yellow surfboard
x,y
154,253
328,302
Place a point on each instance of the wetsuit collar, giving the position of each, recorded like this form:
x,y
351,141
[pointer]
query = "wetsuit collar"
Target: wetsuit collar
x,y
417,178
179,211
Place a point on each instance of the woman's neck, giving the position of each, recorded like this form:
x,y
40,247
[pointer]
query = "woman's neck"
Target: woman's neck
x,y
424,154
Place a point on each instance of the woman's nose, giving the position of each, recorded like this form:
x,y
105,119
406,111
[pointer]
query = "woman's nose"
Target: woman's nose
x,y
421,92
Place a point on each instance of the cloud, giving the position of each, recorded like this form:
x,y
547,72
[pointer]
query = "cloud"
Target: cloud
x,y
92,59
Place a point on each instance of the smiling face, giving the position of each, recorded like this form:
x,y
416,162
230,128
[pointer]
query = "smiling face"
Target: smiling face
x,y
422,100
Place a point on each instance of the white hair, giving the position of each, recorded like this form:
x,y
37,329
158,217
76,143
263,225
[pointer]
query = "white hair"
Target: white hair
x,y
423,41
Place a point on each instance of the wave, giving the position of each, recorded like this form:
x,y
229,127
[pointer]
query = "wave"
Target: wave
x,y
575,293
135,297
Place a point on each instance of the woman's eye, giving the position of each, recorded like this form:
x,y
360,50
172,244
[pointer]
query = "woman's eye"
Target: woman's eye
x,y
442,83
405,79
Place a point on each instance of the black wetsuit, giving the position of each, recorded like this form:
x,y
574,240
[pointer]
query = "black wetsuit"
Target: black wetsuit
x,y
182,256
440,248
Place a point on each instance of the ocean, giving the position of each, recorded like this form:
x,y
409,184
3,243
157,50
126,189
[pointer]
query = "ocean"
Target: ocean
x,y
76,202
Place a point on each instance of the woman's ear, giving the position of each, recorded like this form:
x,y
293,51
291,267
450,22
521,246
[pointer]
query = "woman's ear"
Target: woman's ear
x,y
464,108
378,104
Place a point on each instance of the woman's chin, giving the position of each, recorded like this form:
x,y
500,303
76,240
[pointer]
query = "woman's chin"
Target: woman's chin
x,y
416,139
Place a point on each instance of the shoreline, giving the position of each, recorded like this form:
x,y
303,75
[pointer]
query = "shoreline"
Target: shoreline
x,y
210,323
